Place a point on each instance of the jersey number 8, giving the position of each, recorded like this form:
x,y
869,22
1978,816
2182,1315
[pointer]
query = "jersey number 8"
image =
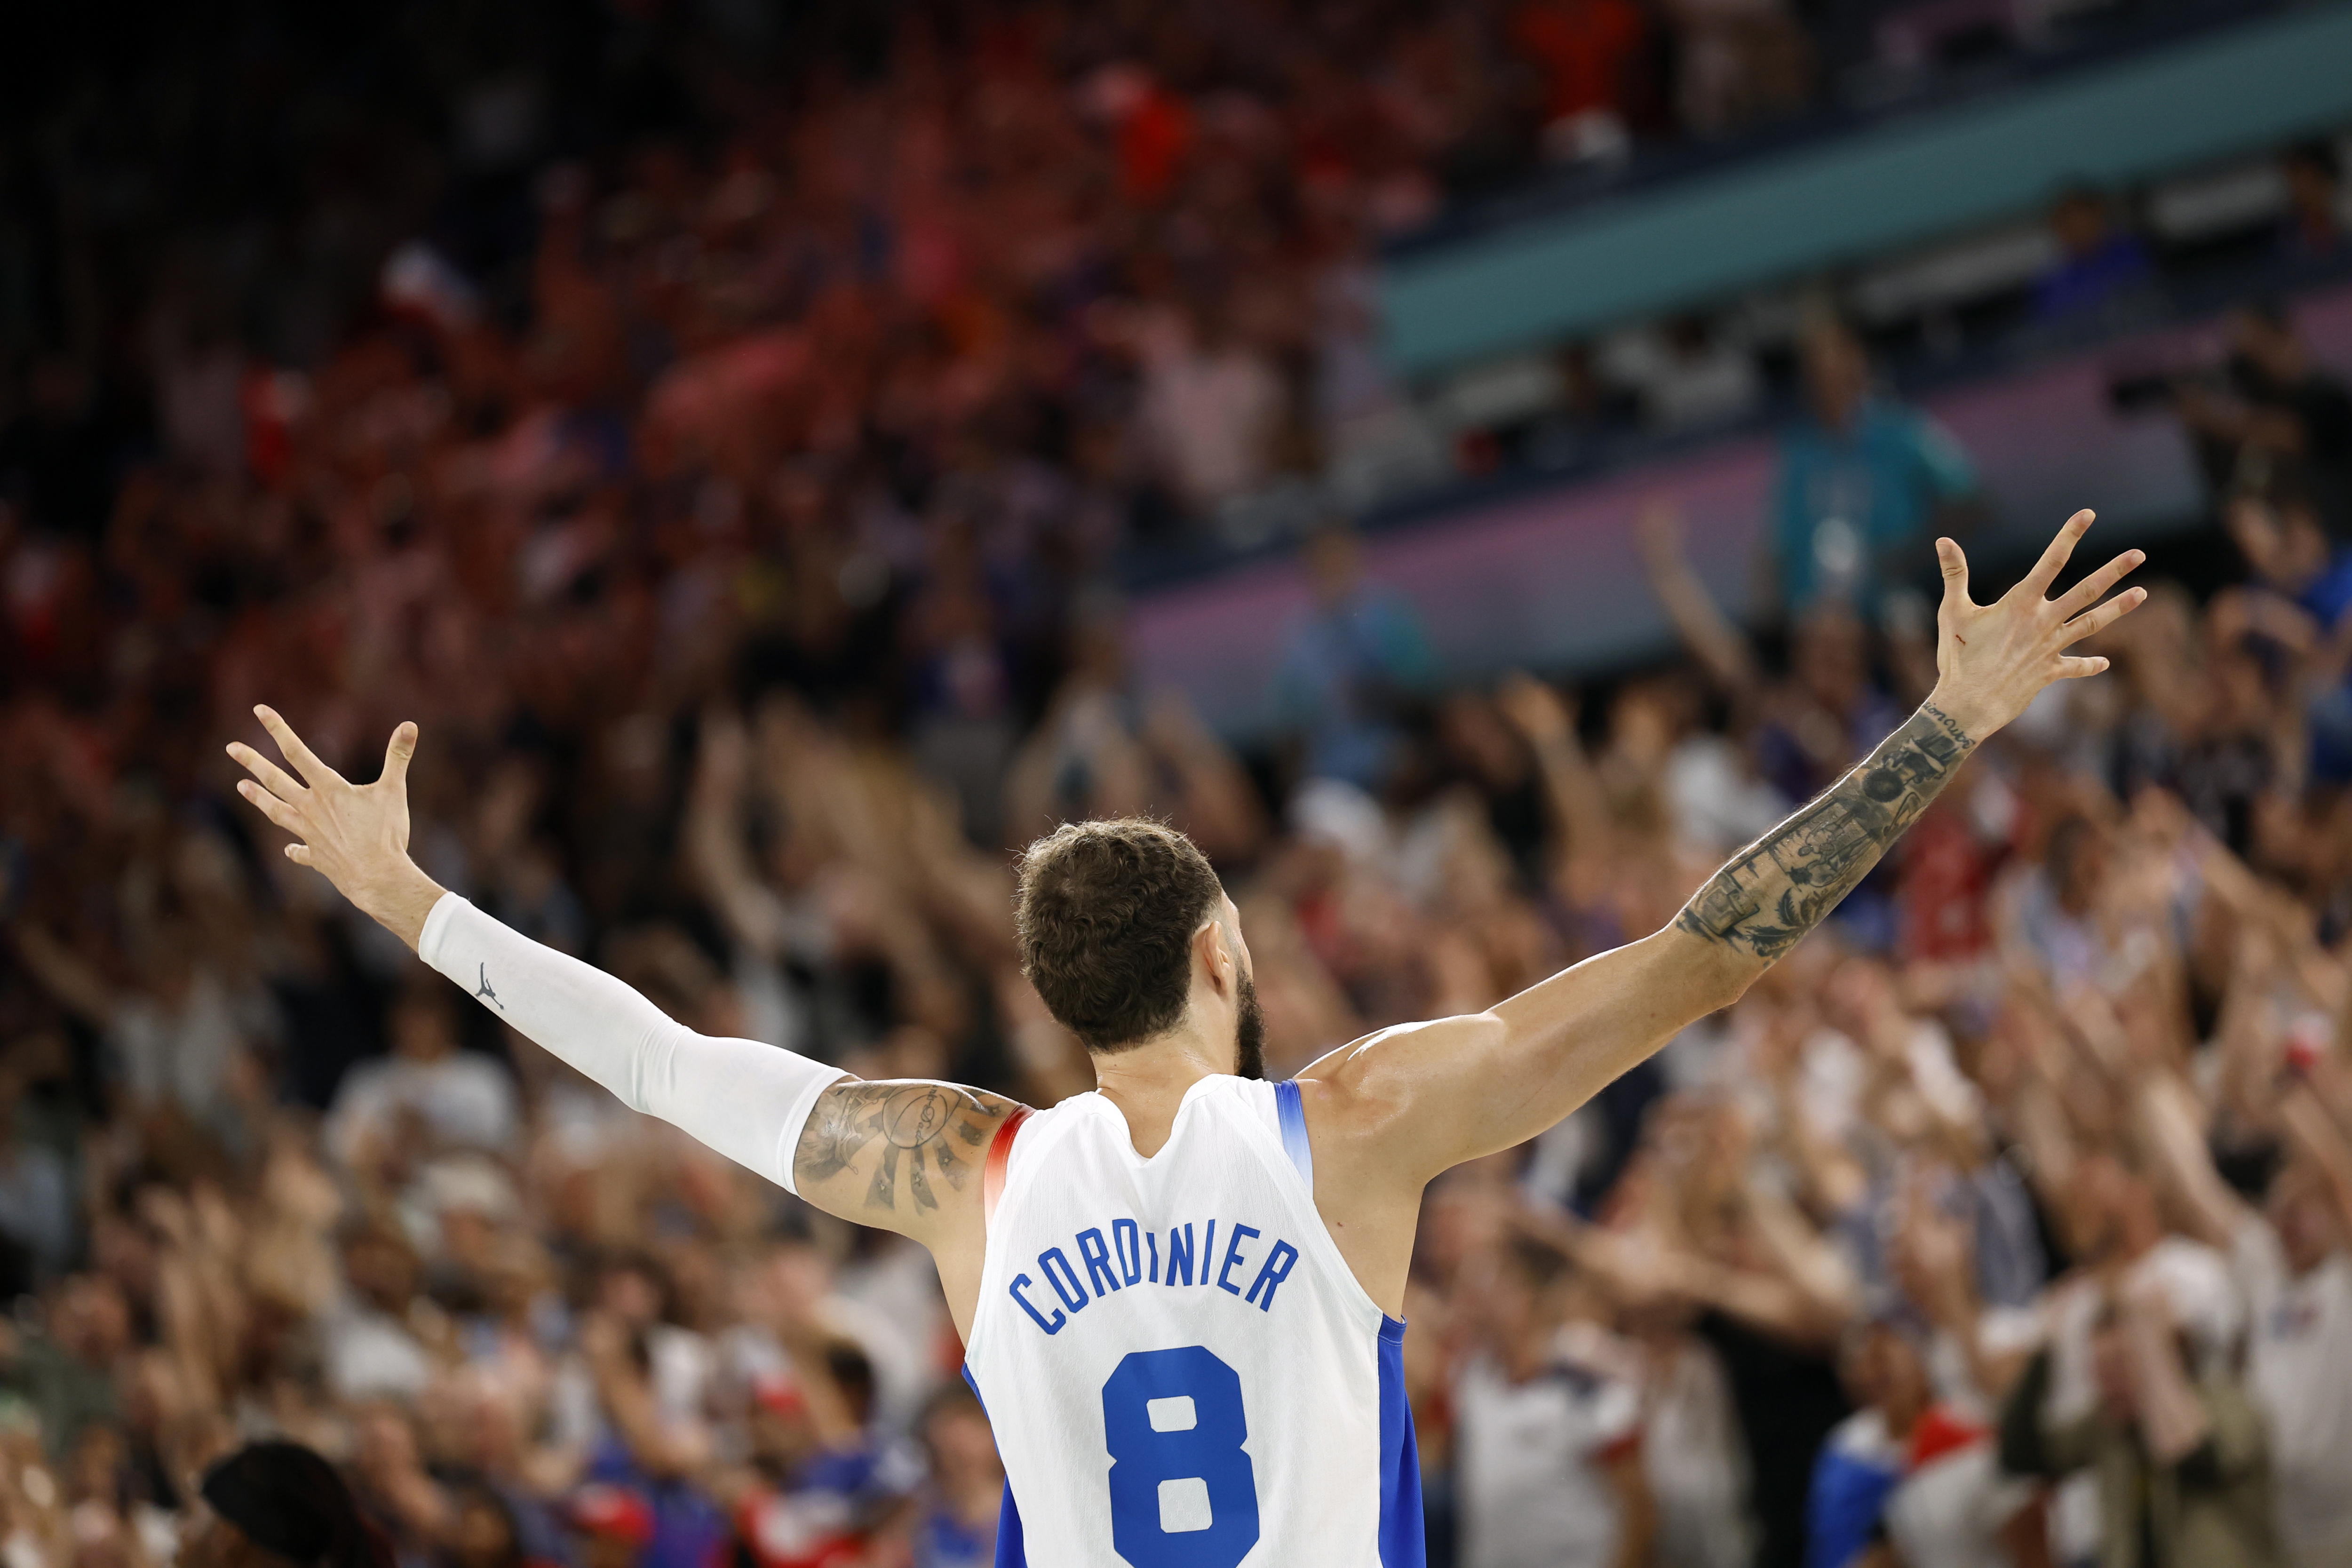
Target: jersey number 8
x,y
1183,1493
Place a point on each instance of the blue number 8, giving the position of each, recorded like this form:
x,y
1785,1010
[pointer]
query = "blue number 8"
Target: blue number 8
x,y
1183,1493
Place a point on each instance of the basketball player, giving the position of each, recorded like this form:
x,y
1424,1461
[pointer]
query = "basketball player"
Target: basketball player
x,y
1180,1294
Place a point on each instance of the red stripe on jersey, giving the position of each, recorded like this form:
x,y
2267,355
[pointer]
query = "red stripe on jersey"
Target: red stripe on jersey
x,y
999,1155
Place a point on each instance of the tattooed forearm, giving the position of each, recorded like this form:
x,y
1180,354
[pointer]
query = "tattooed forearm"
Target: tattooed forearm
x,y
1780,887
916,1130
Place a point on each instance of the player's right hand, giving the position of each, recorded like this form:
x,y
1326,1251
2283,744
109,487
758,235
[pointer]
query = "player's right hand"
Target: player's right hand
x,y
355,834
1993,660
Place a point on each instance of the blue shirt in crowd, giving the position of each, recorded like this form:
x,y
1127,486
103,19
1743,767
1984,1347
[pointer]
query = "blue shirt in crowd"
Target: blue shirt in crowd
x,y
1343,670
1850,498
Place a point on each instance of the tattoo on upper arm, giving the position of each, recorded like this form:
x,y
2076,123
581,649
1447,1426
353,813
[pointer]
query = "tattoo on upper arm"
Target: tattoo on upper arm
x,y
1780,887
921,1128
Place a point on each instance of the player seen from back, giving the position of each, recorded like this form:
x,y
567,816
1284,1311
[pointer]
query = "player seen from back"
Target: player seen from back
x,y
1180,1293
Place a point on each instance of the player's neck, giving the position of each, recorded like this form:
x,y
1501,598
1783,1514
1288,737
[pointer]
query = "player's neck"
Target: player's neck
x,y
1148,1082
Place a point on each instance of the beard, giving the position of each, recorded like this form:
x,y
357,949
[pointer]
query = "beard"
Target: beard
x,y
1249,1033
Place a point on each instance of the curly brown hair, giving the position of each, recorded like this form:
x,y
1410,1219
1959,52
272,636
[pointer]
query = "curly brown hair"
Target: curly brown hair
x,y
1105,919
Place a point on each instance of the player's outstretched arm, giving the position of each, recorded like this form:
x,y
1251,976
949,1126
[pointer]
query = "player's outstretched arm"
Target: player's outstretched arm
x,y
903,1156
1436,1094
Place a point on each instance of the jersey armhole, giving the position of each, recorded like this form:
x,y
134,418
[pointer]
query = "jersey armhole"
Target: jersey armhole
x,y
1290,1116
999,1159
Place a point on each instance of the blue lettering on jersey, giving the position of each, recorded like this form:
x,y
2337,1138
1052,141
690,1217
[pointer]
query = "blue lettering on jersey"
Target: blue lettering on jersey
x,y
1125,1238
1275,1269
1065,1283
1098,1269
1122,1261
1234,1259
1021,1283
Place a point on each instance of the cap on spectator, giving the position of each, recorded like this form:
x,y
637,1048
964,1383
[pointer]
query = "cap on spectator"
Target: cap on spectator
x,y
602,1508
778,1394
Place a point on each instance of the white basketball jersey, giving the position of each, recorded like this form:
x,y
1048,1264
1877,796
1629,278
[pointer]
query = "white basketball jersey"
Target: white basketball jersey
x,y
1181,1369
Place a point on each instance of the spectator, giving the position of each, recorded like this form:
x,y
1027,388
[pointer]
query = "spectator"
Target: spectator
x,y
485,1534
1698,378
2099,260
458,1100
1350,666
1865,484
1548,1433
1740,63
612,1527
955,1518
1589,409
38,1224
1590,54
2295,1261
2272,420
179,1037
1103,749
1911,1475
2315,218
372,1345
2289,554
65,1372
2182,1466
2296,412
1212,406
826,1490
1801,730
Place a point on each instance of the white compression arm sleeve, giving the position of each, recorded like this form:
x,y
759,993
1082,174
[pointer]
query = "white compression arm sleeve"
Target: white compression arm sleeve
x,y
745,1099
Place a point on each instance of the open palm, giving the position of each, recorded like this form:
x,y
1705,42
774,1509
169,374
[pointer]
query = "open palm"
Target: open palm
x,y
356,835
1993,660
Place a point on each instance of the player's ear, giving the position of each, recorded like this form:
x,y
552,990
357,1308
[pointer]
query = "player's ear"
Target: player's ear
x,y
1215,955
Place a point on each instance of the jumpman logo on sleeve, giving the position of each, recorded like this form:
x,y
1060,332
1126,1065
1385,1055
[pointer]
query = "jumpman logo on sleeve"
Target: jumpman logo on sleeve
x,y
484,992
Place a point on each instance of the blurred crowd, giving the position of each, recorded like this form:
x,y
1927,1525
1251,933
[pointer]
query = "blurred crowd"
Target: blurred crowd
x,y
739,535
1135,245
687,239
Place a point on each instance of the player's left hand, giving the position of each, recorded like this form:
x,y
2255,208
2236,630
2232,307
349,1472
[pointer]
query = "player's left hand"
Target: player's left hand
x,y
1993,660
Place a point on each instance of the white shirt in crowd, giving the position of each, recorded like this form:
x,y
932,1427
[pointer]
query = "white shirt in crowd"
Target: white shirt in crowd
x,y
1693,1459
180,1054
1948,1511
1208,415
2299,1370
371,1354
464,1100
1717,802
1530,1463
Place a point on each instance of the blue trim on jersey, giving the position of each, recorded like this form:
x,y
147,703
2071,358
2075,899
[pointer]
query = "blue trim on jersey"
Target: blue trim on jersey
x,y
1010,1552
1401,1541
1292,1115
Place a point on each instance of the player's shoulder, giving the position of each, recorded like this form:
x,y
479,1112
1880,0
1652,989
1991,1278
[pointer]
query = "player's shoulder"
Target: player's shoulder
x,y
1363,1086
1365,1058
